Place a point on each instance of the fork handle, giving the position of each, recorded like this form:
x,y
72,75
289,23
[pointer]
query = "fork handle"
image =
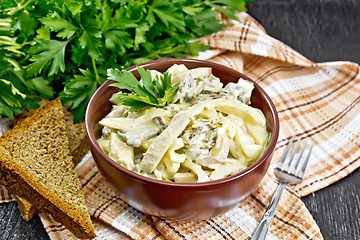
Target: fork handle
x,y
264,225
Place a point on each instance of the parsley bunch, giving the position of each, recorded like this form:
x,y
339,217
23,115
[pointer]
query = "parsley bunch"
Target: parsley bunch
x,y
51,48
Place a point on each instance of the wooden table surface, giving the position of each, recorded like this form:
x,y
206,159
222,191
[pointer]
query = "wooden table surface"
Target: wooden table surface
x,y
321,30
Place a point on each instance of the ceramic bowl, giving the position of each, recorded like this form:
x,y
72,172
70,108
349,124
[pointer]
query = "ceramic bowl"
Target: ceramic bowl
x,y
181,201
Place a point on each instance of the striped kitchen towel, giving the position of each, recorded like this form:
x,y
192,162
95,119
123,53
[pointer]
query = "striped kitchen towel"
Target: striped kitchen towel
x,y
316,101
114,219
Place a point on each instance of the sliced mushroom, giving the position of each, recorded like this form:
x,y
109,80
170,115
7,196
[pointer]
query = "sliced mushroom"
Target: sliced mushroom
x,y
187,89
241,90
160,121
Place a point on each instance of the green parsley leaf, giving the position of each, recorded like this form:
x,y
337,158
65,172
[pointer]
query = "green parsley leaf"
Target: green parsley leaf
x,y
26,23
74,6
7,110
78,91
43,33
41,86
120,39
78,56
204,23
192,10
47,52
90,39
56,23
140,35
164,10
237,5
135,102
46,45
10,99
148,94
7,85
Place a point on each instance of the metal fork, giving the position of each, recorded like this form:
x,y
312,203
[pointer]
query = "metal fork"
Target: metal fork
x,y
288,171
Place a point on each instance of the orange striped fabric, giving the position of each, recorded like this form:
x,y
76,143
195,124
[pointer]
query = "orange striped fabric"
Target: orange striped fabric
x,y
316,101
5,196
114,219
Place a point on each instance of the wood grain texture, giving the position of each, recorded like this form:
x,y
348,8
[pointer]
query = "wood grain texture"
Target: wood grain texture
x,y
14,227
321,30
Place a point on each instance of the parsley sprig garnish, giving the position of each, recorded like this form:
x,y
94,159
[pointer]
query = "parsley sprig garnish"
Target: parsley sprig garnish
x,y
153,92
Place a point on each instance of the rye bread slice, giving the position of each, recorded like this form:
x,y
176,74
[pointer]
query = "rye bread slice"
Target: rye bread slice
x,y
78,145
36,164
76,132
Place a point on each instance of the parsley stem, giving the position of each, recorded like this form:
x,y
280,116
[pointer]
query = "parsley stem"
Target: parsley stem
x,y
20,6
95,70
17,69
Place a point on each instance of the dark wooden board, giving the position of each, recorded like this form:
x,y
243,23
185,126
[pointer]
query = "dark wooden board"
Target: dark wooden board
x,y
14,227
321,30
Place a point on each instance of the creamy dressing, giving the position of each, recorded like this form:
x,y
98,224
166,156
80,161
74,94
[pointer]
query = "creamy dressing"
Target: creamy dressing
x,y
206,133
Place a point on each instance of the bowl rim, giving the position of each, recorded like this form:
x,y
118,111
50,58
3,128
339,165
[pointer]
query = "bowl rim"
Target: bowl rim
x,y
148,180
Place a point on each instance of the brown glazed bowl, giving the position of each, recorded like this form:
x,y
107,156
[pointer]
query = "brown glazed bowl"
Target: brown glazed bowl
x,y
181,201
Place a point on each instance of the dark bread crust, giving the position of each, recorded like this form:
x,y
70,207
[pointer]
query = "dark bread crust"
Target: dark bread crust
x,y
27,209
13,182
78,145
36,164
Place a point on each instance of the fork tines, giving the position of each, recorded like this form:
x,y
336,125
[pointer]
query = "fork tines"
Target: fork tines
x,y
291,165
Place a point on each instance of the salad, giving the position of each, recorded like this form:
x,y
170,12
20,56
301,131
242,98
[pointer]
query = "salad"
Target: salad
x,y
201,131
